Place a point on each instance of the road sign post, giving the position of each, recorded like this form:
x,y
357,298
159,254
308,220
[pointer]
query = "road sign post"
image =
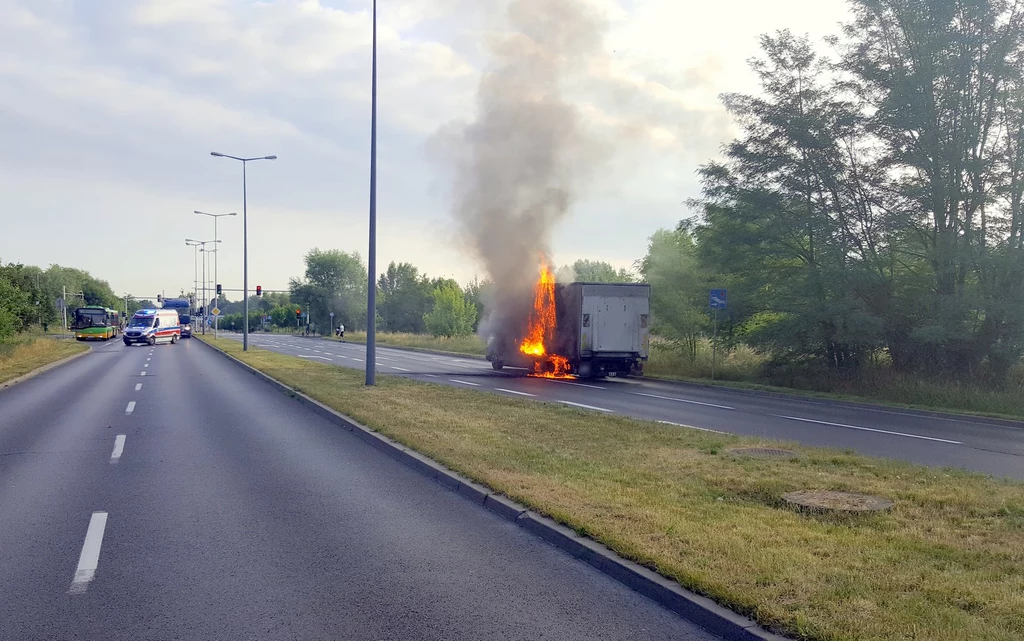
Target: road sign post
x,y
717,301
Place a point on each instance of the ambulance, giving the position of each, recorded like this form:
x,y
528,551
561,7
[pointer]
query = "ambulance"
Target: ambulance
x,y
153,326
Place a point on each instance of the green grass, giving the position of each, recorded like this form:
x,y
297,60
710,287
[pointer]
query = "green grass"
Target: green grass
x,y
946,564
22,354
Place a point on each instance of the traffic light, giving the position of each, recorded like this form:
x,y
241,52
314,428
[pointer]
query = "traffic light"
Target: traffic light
x,y
159,298
259,290
298,313
218,289
201,308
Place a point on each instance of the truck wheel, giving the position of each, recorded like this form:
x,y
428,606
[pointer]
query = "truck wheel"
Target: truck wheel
x,y
497,365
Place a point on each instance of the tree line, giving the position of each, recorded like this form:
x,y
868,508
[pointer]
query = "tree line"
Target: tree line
x,y
872,203
408,300
29,296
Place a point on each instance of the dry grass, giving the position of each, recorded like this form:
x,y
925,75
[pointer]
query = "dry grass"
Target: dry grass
x,y
947,564
22,355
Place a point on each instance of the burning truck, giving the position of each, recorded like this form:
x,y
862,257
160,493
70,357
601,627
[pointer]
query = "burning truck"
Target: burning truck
x,y
581,330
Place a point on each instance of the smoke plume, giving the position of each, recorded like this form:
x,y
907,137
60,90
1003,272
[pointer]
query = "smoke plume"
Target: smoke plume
x,y
519,166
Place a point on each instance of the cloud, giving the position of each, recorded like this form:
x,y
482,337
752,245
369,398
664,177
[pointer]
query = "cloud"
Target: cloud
x,y
112,108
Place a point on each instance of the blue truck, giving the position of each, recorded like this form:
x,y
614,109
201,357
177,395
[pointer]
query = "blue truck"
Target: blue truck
x,y
184,309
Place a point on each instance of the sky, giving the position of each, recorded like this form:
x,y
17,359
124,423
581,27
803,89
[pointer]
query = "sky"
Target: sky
x,y
109,110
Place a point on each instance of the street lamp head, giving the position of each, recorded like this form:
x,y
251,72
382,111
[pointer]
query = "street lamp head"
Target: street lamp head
x,y
202,213
270,158
217,154
234,213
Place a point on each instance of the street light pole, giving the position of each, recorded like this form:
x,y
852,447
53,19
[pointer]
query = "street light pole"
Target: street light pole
x,y
203,244
245,243
194,244
216,261
371,257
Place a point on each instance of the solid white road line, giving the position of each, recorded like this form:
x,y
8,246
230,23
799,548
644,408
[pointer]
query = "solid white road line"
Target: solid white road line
x,y
138,386
455,380
321,357
871,429
89,559
571,383
118,448
586,407
683,400
130,408
702,429
431,375
512,391
400,369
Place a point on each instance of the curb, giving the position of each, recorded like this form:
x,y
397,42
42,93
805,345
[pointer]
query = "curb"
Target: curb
x,y
691,606
45,368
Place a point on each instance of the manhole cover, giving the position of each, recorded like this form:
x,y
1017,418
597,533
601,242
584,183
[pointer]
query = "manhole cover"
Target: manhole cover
x,y
762,452
834,501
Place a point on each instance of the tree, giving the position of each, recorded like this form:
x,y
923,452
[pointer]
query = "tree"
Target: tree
x,y
594,271
478,293
404,298
679,288
335,281
453,314
944,87
14,307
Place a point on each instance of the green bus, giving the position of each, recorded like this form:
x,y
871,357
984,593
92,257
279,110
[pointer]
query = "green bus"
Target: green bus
x,y
95,322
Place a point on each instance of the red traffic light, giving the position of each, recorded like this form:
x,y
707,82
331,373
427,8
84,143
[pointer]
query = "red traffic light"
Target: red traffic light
x,y
298,313
259,290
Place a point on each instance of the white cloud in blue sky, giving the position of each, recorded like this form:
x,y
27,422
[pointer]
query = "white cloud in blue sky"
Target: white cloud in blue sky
x,y
109,109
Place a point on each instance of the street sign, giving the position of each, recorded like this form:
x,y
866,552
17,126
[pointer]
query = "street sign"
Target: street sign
x,y
717,299
215,311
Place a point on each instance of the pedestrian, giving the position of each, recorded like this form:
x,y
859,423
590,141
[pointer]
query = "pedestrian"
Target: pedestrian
x,y
341,332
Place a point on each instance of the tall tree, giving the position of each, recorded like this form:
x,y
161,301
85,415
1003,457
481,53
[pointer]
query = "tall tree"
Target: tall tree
x,y
335,281
404,298
943,82
453,314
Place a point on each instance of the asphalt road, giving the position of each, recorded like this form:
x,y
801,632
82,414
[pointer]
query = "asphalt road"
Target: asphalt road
x,y
162,493
989,446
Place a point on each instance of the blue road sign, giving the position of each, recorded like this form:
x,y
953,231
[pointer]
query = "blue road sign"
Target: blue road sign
x,y
717,299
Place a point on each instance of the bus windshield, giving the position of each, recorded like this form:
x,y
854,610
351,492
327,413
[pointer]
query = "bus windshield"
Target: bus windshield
x,y
85,318
184,319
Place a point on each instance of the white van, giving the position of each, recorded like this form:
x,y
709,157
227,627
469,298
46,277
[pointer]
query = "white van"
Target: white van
x,y
153,326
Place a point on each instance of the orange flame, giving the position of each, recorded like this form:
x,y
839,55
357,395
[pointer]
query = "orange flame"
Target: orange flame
x,y
541,330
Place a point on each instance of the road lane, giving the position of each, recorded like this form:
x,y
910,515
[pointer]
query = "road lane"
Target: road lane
x,y
235,513
929,438
56,433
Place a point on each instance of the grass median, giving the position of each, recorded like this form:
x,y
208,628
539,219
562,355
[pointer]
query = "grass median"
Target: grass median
x,y
945,564
20,356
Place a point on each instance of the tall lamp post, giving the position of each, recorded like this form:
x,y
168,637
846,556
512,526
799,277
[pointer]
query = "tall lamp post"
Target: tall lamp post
x,y
194,244
216,259
371,255
245,244
202,248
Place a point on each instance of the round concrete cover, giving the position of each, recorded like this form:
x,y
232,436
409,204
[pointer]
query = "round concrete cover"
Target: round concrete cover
x,y
832,500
